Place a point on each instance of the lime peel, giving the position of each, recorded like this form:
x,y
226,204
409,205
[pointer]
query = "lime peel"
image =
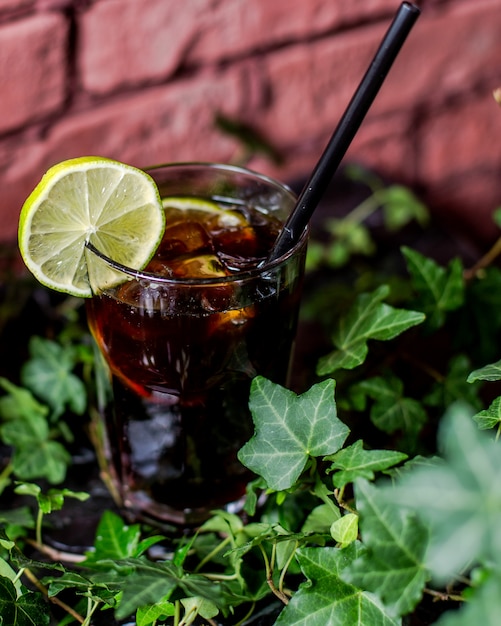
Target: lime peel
x,y
227,218
114,206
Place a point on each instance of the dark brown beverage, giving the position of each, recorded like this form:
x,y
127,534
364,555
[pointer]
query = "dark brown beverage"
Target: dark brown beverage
x,y
182,345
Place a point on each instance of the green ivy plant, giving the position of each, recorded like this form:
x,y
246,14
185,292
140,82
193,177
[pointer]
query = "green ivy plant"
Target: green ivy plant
x,y
376,486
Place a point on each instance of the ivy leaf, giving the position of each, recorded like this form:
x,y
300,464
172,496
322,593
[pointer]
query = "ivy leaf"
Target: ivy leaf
x,y
491,417
458,498
439,289
455,386
392,411
327,599
35,455
199,606
27,431
480,321
354,237
354,462
143,582
393,566
49,375
28,609
79,585
491,372
369,318
289,429
275,534
48,459
149,615
345,529
6,571
19,403
53,500
400,206
321,518
116,540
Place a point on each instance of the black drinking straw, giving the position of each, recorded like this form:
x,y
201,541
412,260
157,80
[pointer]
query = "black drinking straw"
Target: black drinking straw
x,y
346,129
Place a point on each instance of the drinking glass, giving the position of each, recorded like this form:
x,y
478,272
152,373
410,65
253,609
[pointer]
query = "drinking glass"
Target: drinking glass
x,y
181,350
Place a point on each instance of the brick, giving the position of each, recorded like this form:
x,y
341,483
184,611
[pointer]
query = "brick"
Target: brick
x,y
18,180
124,43
309,86
465,204
164,124
387,145
378,146
448,53
175,122
461,137
459,163
234,28
14,5
33,64
288,68
150,44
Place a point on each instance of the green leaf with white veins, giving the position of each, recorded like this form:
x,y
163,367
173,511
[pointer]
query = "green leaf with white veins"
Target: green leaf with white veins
x,y
289,429
439,289
48,374
459,498
393,566
392,410
27,430
28,609
490,417
369,318
325,599
489,372
354,462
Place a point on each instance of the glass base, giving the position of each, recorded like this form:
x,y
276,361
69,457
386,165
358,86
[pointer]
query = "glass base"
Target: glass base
x,y
140,507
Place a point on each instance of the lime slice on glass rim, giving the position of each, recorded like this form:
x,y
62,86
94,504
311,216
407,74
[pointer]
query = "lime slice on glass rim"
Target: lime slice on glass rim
x,y
226,218
115,207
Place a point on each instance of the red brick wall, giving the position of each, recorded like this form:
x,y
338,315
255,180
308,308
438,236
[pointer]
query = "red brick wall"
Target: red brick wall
x,y
142,80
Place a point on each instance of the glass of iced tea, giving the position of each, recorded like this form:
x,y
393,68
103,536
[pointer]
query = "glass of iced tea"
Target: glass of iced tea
x,y
183,339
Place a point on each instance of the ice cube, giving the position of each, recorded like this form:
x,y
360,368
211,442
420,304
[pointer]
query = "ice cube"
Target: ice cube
x,y
238,243
184,237
231,321
200,266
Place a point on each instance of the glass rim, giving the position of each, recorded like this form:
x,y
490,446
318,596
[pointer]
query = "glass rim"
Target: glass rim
x,y
237,276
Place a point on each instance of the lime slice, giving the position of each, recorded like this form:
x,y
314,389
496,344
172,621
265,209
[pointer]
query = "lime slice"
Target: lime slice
x,y
114,206
226,218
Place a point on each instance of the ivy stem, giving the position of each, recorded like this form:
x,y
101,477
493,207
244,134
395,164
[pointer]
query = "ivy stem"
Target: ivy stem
x,y
484,261
218,577
91,607
269,578
364,209
424,367
443,595
56,555
247,615
38,531
285,569
209,557
6,472
188,618
32,578
339,495
273,557
177,612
